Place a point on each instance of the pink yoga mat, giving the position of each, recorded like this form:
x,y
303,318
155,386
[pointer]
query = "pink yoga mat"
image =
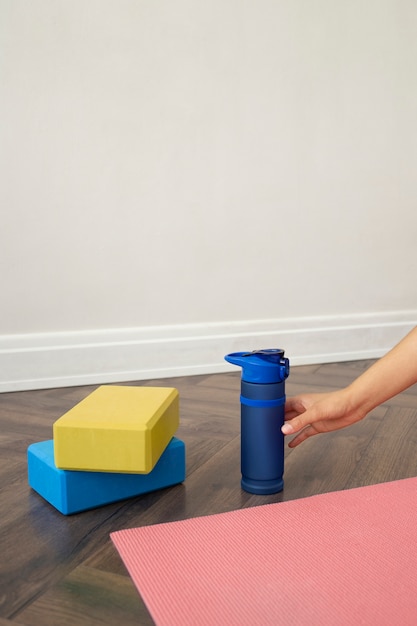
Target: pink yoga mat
x,y
337,559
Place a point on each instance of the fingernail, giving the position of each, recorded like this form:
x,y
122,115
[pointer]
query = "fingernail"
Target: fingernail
x,y
287,429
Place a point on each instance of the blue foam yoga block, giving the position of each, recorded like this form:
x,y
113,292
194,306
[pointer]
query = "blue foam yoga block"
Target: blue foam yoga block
x,y
74,491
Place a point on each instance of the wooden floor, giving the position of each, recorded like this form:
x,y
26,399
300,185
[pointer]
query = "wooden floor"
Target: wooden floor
x,y
64,570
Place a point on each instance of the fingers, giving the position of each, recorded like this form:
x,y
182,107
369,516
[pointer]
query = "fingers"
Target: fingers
x,y
308,431
294,416
294,425
309,414
293,407
298,421
301,416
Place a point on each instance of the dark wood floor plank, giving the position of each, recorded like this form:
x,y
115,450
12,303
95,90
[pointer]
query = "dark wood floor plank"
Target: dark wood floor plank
x,y
89,597
391,453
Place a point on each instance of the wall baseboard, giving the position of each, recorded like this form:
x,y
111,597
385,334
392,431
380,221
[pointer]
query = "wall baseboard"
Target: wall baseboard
x,y
65,359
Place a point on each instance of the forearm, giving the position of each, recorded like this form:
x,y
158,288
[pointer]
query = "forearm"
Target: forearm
x,y
391,374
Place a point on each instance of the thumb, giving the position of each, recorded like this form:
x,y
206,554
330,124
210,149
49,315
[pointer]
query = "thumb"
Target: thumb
x,y
297,423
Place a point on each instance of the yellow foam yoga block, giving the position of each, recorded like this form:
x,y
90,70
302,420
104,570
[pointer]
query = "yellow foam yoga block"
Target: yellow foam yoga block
x,y
117,429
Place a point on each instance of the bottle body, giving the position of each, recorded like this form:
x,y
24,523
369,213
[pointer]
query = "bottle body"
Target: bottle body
x,y
262,442
262,402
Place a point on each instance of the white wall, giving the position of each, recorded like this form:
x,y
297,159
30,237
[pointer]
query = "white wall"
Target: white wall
x,y
197,169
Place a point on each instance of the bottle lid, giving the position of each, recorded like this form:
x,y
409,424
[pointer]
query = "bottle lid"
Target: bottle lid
x,y
261,366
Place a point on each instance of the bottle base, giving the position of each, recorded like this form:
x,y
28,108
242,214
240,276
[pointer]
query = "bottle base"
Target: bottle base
x,y
262,487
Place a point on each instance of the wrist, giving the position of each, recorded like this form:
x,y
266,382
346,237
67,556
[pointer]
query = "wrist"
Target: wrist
x,y
361,398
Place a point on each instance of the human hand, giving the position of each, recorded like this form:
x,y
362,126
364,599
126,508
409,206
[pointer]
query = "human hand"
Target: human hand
x,y
310,414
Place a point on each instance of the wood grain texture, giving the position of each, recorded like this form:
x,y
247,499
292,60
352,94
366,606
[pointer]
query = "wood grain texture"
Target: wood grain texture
x,y
64,570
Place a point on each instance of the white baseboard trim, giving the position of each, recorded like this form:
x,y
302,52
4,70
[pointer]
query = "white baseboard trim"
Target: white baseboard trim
x,y
65,359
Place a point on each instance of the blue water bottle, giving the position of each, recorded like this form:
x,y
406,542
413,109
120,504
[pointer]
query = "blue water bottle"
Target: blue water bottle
x,y
262,415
